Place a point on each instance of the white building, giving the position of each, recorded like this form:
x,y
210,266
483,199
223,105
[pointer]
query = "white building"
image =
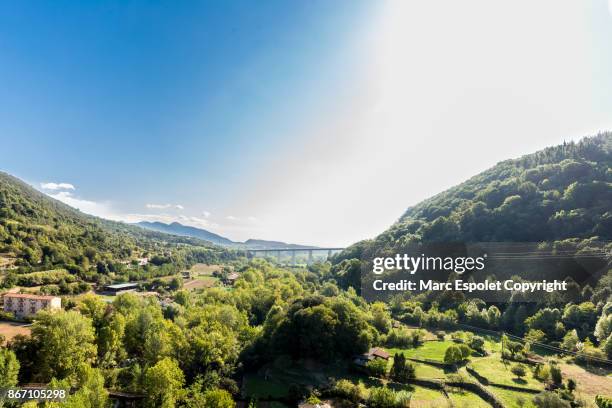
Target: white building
x,y
25,305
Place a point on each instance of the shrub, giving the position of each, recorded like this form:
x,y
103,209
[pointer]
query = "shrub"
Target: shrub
x,y
607,347
453,355
401,371
570,340
542,372
458,336
348,390
571,384
477,343
441,335
519,370
401,338
603,402
555,375
465,351
381,397
402,399
418,336
377,367
549,400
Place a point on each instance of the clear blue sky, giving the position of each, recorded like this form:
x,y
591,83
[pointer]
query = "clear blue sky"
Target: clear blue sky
x,y
256,119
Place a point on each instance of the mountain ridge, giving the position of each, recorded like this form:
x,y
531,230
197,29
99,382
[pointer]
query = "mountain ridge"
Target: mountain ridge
x,y
558,193
177,228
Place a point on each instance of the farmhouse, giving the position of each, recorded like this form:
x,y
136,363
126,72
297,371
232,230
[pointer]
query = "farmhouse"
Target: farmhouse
x,y
375,352
25,305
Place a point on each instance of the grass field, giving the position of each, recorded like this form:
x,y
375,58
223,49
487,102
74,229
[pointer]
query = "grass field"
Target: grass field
x,y
200,282
513,399
433,350
426,397
257,386
492,368
201,269
461,398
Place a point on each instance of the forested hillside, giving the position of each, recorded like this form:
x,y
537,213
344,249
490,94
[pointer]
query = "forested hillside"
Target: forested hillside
x,y
558,193
558,197
38,233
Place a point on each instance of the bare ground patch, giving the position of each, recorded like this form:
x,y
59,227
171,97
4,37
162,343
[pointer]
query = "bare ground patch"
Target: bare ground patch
x,y
590,383
201,269
200,283
10,329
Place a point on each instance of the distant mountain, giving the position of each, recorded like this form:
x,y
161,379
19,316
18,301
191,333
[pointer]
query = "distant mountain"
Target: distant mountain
x,y
176,228
263,244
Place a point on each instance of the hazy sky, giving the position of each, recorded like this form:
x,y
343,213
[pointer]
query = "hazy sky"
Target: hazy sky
x,y
315,122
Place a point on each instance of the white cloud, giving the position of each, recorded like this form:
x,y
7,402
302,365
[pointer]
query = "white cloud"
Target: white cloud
x,y
231,218
206,214
57,186
99,209
164,206
106,210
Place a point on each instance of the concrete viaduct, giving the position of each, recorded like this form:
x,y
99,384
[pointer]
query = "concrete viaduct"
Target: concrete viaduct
x,y
293,251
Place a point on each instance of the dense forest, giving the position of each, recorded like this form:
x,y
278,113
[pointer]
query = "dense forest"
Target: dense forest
x,y
559,196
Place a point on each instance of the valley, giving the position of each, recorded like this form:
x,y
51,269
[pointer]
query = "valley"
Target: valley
x,y
167,316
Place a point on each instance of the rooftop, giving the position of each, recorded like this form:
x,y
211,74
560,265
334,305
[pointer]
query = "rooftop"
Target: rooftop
x,y
29,296
378,352
122,285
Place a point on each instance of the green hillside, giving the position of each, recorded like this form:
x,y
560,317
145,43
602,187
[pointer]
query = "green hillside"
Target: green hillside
x,y
558,193
38,233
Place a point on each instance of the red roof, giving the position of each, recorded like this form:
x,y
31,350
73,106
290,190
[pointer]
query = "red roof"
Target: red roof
x,y
29,296
378,352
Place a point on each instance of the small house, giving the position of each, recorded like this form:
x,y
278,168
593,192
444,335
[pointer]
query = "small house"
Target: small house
x,y
375,352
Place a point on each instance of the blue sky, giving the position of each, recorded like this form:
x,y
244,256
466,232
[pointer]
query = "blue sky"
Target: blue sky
x,y
298,121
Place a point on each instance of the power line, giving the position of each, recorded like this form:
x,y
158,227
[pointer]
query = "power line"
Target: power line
x,y
547,346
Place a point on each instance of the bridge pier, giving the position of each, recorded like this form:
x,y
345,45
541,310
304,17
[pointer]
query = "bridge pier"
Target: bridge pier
x,y
278,252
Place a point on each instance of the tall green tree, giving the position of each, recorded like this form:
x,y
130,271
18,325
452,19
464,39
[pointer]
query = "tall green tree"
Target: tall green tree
x,y
65,342
9,368
163,384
